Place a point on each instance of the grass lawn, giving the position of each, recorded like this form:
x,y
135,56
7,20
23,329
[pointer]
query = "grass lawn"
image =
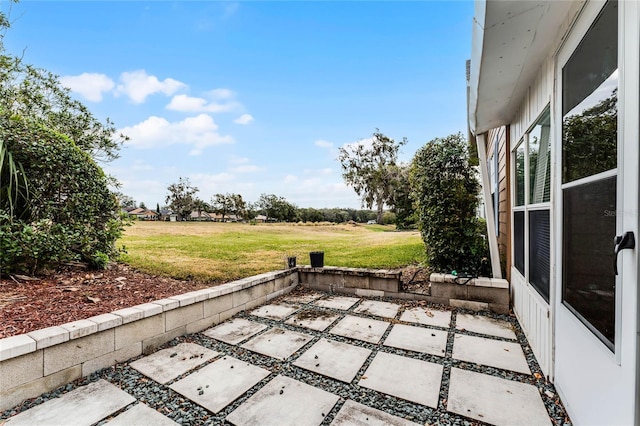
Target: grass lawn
x,y
220,252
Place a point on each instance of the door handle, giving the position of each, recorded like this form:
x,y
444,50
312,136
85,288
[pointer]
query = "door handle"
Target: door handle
x,y
622,242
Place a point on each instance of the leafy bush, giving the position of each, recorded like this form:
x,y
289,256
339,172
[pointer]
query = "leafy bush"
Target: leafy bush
x,y
70,214
445,190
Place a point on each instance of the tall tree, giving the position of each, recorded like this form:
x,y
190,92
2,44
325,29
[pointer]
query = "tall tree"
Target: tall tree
x,y
369,169
181,197
276,207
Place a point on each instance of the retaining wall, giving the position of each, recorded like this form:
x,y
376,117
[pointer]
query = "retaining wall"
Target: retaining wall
x,y
43,360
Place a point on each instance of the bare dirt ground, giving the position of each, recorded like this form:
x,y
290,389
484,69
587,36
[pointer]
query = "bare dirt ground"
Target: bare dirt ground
x,y
73,294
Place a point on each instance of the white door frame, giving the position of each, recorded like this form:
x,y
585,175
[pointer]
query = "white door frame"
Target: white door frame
x,y
577,348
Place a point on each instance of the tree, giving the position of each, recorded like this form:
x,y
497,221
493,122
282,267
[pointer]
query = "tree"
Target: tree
x,y
401,198
276,207
229,204
181,198
445,189
369,169
142,205
125,201
158,209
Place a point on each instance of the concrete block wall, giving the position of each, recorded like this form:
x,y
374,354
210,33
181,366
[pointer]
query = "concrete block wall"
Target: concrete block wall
x,y
43,360
476,294
357,281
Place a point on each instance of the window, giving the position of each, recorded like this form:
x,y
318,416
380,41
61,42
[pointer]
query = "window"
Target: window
x,y
531,218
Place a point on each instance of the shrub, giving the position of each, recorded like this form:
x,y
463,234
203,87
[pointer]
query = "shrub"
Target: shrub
x,y
445,190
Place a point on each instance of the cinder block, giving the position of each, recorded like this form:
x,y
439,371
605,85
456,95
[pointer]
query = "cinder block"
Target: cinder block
x,y
129,314
185,299
468,304
183,316
269,286
450,278
355,281
20,370
218,304
231,312
203,324
305,277
243,296
75,352
14,346
286,281
345,290
150,345
499,283
112,358
256,302
201,295
149,309
167,304
275,295
106,321
436,278
49,336
384,284
498,308
138,331
448,290
482,282
489,295
289,289
39,386
369,293
80,328
402,296
326,288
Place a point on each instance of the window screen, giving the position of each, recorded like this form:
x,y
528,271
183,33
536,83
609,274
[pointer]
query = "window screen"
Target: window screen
x,y
539,251
518,240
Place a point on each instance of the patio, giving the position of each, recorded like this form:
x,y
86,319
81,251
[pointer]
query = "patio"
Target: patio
x,y
318,358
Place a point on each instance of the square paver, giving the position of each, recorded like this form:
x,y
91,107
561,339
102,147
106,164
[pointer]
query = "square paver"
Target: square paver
x,y
278,343
337,302
275,312
378,308
85,405
220,383
493,353
315,319
235,331
355,414
485,325
338,360
406,378
167,364
284,401
417,339
302,299
365,329
427,316
495,400
141,414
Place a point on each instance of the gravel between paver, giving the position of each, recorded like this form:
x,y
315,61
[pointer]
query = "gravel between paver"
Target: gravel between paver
x,y
183,411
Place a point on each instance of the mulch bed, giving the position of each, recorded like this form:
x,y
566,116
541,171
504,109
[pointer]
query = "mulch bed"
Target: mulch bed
x,y
75,293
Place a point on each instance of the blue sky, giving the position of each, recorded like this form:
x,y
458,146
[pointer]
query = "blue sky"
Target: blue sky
x,y
253,97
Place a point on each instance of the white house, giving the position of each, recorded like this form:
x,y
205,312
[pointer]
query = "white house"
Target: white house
x,y
554,106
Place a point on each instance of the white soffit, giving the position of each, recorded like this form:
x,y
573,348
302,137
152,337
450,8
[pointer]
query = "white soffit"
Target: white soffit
x,y
510,41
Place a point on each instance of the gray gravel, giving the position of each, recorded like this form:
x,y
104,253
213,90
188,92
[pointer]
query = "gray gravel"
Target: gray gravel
x,y
183,411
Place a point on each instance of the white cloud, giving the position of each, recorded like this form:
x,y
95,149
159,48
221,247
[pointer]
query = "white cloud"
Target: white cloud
x,y
90,85
247,168
290,179
137,85
210,184
244,119
367,143
238,160
324,144
185,103
199,131
219,94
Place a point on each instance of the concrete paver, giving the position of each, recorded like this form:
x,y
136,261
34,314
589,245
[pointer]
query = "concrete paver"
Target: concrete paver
x,y
85,405
407,378
220,383
495,400
315,319
337,302
355,414
275,312
167,364
417,339
378,308
278,343
235,330
365,329
484,325
493,353
303,299
141,415
334,359
427,316
284,401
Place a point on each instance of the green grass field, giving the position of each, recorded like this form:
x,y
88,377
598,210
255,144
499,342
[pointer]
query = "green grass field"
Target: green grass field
x,y
221,252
